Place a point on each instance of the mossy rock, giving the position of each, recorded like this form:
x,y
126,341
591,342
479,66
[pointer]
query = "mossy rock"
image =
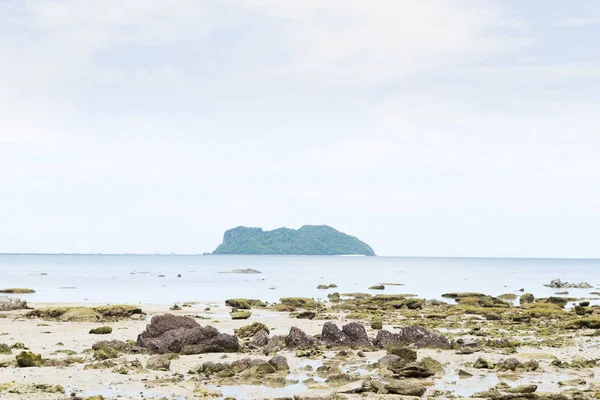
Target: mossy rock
x,y
17,290
249,331
306,315
101,330
106,353
322,287
5,349
80,314
240,304
332,286
432,365
118,310
299,302
508,296
29,359
408,355
377,287
526,298
482,363
241,315
377,325
583,323
334,297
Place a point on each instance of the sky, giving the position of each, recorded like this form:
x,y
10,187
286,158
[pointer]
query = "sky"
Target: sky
x,y
425,128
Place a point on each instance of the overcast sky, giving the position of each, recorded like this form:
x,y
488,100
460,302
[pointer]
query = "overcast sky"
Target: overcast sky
x,y
424,127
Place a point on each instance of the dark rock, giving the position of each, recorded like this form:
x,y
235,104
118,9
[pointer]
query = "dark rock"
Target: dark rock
x,y
260,339
352,334
306,315
297,338
414,334
174,334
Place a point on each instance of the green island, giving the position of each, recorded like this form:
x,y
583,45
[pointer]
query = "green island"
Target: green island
x,y
308,240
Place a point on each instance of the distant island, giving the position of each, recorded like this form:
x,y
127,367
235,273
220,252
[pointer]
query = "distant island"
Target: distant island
x,y
308,240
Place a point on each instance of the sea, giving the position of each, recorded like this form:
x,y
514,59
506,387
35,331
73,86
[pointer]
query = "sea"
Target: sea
x,y
169,279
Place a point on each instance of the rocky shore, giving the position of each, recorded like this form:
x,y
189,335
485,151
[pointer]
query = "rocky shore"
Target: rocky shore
x,y
354,346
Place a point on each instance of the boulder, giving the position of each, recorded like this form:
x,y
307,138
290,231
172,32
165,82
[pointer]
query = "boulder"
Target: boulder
x,y
388,360
101,330
174,334
404,353
352,334
297,338
280,363
260,339
248,331
414,334
12,303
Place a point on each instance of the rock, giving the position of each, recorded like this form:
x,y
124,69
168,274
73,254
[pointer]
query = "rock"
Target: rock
x,y
464,374
322,287
12,303
240,304
558,284
405,388
352,387
80,314
251,330
101,330
432,365
261,367
403,370
261,339
174,334
160,362
306,315
297,338
334,297
275,344
481,363
105,350
388,360
29,359
241,315
377,325
352,334
526,298
414,334
5,349
408,355
241,365
377,287
280,363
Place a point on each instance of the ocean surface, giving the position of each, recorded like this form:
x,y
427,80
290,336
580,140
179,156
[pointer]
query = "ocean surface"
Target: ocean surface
x,y
137,279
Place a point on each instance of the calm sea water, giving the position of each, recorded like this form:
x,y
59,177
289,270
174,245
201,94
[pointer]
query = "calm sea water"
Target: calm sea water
x,y
136,279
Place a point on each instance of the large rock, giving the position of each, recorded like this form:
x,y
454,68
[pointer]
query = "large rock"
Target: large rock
x,y
12,303
275,344
352,334
177,334
405,388
297,338
160,362
260,339
414,334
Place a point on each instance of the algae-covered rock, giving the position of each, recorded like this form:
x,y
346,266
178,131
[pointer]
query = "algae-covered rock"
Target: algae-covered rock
x,y
322,287
29,359
405,388
432,365
248,331
299,302
101,330
377,325
581,323
306,315
482,363
377,287
526,298
240,315
5,349
241,304
36,388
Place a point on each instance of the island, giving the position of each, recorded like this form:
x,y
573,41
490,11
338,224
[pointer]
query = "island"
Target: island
x,y
308,240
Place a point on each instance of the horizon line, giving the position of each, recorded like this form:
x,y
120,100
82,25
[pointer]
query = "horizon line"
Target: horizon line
x,y
286,255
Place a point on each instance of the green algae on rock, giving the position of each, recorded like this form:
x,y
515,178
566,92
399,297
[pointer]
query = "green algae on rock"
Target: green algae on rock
x,y
248,331
101,330
240,315
17,291
29,359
